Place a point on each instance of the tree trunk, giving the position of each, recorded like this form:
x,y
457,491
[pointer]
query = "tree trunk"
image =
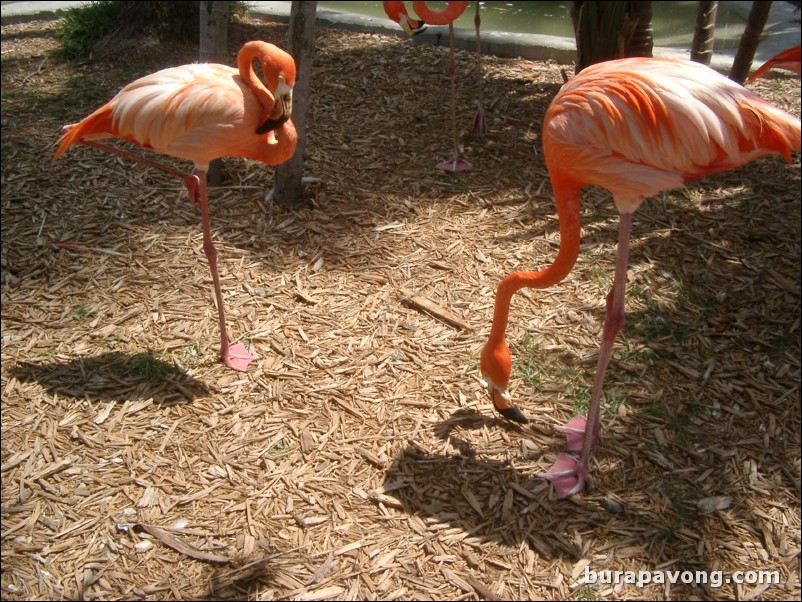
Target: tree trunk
x,y
749,41
301,44
611,30
214,49
642,41
704,33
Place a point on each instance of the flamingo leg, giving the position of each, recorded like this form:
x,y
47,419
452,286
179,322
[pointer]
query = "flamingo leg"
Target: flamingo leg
x,y
479,119
567,475
236,356
190,181
456,163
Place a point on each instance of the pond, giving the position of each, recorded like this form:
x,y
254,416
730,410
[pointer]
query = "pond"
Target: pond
x,y
673,22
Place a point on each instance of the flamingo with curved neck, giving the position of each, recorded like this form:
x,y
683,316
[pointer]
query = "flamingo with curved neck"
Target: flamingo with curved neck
x,y
637,127
202,112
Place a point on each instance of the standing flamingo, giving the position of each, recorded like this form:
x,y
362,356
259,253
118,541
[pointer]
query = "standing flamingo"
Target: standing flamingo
x,y
637,127
398,12
790,59
202,112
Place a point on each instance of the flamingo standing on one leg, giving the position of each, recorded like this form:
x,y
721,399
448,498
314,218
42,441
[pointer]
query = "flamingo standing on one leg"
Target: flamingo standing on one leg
x,y
446,16
202,112
790,59
636,127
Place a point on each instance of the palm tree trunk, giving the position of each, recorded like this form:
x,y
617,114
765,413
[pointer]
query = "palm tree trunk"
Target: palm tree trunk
x,y
704,33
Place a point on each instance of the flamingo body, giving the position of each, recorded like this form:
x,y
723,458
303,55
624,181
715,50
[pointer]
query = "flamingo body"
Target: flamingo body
x,y
790,59
636,126
202,112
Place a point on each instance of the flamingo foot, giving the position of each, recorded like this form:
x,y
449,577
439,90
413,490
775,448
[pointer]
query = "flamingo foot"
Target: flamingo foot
x,y
574,431
479,121
237,357
455,164
567,476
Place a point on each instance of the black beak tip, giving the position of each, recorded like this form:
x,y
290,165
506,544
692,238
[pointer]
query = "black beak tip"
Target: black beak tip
x,y
514,414
271,124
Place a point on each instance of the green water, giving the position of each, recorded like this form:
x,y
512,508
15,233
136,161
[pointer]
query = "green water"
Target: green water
x,y
673,22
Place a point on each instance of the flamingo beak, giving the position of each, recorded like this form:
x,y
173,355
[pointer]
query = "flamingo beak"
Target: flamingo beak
x,y
282,109
411,26
502,402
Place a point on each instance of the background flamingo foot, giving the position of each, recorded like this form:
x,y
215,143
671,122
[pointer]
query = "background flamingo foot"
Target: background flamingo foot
x,y
238,357
567,476
479,122
455,164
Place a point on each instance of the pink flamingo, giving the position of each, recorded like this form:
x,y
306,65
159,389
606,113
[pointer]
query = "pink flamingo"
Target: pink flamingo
x,y
202,112
637,127
398,12
790,59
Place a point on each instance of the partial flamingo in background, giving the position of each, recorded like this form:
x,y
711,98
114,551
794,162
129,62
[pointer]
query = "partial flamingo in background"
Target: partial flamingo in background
x,y
446,16
398,13
790,59
202,112
637,127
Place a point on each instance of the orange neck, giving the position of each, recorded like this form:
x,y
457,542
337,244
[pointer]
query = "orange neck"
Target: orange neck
x,y
567,199
245,58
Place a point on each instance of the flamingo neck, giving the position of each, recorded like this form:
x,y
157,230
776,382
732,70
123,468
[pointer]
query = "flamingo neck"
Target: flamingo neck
x,y
245,58
567,199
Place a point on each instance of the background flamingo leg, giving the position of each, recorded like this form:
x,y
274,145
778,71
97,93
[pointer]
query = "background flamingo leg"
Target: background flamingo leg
x,y
236,356
567,475
456,163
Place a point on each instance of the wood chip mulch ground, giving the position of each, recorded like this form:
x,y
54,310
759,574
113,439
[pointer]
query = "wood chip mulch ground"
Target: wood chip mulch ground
x,y
360,458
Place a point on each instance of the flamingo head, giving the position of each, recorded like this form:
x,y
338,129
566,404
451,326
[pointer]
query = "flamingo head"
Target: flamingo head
x,y
278,69
398,13
496,366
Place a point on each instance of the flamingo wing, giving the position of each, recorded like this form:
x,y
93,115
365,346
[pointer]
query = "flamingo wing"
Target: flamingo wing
x,y
198,112
641,126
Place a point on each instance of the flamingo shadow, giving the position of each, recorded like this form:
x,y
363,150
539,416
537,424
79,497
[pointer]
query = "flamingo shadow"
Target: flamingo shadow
x,y
113,376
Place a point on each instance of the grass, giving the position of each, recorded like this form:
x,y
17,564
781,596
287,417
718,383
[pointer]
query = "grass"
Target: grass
x,y
148,366
536,373
282,449
82,28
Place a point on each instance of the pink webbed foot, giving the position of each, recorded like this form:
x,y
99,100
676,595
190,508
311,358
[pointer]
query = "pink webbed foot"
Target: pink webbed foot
x,y
237,357
574,431
567,476
455,164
